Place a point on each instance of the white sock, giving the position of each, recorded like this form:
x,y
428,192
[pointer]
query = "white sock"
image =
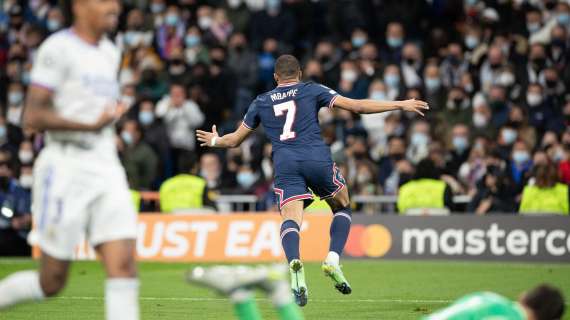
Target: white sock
x,y
20,287
122,299
240,296
333,258
281,294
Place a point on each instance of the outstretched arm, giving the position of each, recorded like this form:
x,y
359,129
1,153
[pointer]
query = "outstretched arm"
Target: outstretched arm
x,y
230,140
40,115
374,106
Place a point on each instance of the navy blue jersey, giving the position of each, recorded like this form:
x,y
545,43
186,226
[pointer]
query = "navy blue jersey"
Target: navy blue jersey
x,y
289,115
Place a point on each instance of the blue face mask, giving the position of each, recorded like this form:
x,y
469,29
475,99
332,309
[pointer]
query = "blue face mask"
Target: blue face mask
x,y
15,97
392,80
419,139
191,40
432,83
53,25
520,157
460,143
246,179
157,7
509,136
2,132
171,19
563,18
378,96
532,27
146,118
358,42
395,42
471,42
127,137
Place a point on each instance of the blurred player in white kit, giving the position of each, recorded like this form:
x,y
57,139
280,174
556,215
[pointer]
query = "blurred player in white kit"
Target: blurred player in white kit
x,y
79,184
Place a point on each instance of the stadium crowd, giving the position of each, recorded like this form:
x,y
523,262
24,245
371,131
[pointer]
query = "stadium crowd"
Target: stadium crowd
x,y
495,73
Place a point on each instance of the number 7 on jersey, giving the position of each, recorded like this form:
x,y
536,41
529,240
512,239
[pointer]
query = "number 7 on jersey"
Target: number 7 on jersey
x,y
290,108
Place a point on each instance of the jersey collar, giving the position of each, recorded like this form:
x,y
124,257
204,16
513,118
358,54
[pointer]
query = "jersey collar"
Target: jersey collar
x,y
288,84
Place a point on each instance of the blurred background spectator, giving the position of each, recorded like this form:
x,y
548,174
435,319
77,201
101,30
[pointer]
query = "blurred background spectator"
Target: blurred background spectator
x,y
495,73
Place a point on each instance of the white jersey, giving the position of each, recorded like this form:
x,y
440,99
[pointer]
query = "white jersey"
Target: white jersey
x,y
83,78
79,184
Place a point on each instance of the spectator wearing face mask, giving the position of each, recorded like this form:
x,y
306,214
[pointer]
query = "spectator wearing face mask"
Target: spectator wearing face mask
x,y
434,90
545,194
457,108
453,66
26,153
248,180
560,17
472,170
411,65
170,34
460,149
137,156
136,33
491,68
519,121
375,123
55,20
508,135
387,164
494,194
391,52
352,84
217,178
15,216
540,113
181,117
499,105
393,81
194,49
536,63
156,136
519,165
15,103
419,140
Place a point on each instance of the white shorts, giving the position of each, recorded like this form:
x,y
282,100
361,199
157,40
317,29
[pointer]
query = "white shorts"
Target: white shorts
x,y
74,199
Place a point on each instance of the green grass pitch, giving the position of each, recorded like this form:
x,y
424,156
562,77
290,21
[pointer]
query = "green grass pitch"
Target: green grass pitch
x,y
382,290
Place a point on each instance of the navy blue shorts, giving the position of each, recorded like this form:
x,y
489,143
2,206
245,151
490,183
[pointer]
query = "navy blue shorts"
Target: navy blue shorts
x,y
294,180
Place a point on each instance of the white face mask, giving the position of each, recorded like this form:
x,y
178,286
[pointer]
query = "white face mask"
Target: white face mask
x,y
26,181
533,99
26,156
348,75
479,120
205,22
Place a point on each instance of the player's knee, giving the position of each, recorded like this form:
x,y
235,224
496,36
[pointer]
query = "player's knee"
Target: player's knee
x,y
53,283
124,267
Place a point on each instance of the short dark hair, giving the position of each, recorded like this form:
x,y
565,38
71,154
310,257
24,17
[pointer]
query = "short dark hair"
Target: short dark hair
x,y
287,66
545,301
426,169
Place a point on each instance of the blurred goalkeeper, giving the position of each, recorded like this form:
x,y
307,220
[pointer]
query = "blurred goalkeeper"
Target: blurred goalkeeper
x,y
79,184
239,282
541,303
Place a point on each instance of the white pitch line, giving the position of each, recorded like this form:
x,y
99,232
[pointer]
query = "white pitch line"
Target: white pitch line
x,y
262,299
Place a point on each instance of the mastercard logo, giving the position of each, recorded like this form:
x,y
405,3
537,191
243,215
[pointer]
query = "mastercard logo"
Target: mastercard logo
x,y
372,241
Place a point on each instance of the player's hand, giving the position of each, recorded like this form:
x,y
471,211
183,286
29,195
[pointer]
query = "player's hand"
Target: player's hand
x,y
413,105
110,115
207,138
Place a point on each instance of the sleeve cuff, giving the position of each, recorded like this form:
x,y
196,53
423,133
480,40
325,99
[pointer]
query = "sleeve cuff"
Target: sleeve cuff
x,y
246,126
331,103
